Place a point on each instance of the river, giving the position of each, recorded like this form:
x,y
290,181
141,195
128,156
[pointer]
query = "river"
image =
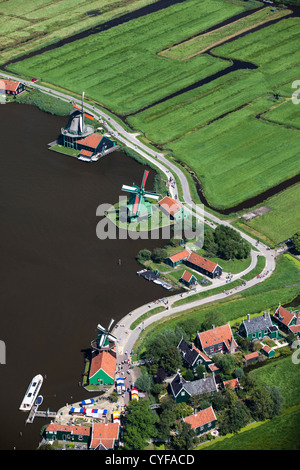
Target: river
x,y
58,280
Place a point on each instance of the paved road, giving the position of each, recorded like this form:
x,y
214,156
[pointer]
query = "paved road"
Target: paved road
x,y
128,337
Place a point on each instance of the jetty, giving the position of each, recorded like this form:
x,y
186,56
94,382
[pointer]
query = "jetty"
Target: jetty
x,y
39,414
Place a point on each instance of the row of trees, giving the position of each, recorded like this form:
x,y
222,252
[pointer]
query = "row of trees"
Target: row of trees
x,y
226,243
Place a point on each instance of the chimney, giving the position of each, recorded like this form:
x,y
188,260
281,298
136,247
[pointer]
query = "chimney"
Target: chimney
x,y
213,327
265,315
248,316
298,318
203,375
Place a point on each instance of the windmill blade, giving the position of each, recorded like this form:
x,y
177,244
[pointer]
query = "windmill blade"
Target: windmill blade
x,y
136,205
151,195
146,173
100,327
131,189
112,338
111,322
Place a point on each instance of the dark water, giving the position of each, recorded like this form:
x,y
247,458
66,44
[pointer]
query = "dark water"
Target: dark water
x,y
58,280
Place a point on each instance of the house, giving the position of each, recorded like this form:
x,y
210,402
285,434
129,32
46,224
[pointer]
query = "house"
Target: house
x,y
204,266
269,352
252,357
188,279
182,390
258,327
232,384
57,432
11,87
202,421
172,209
287,321
103,367
218,339
192,356
178,258
105,436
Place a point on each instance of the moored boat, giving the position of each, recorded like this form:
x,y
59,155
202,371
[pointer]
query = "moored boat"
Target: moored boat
x,y
31,393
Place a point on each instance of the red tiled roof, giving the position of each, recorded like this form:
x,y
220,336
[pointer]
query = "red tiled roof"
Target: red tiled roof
x,y
216,335
187,276
266,348
106,361
202,262
295,328
170,205
10,85
86,153
201,417
82,430
105,434
233,383
92,140
251,356
213,367
285,314
179,256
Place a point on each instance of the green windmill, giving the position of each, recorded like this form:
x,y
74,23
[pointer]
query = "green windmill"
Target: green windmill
x,y
137,206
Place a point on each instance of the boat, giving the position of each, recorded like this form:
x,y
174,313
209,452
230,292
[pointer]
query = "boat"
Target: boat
x,y
31,393
39,400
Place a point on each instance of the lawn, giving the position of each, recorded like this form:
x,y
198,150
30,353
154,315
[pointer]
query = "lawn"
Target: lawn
x,y
201,43
27,26
280,433
120,68
283,221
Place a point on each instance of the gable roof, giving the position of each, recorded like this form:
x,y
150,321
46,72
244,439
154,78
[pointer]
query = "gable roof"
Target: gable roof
x,y
105,360
250,356
267,348
219,334
188,352
232,383
263,322
92,140
104,435
9,85
201,418
195,387
170,205
284,315
80,430
187,276
184,254
203,263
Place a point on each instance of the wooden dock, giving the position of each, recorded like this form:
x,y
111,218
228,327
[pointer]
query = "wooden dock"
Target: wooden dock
x,y
39,414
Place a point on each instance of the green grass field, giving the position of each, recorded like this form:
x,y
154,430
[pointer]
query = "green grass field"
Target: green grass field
x,y
283,221
205,41
27,26
120,68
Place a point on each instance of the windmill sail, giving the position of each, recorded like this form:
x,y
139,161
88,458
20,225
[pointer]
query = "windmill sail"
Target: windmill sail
x,y
137,202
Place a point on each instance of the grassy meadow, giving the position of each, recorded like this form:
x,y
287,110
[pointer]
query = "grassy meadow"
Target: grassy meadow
x,y
205,41
283,221
27,26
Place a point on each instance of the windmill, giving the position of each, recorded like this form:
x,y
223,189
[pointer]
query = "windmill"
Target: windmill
x,y
105,338
137,206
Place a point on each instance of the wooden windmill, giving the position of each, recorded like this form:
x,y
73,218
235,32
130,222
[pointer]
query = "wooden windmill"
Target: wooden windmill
x,y
105,340
137,206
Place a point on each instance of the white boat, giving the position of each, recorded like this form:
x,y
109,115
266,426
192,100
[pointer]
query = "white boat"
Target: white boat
x,y
32,393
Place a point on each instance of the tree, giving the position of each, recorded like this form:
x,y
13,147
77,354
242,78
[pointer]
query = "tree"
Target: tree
x,y
277,399
234,418
144,382
184,437
182,410
226,362
210,319
140,425
296,241
261,403
189,376
144,255
114,396
171,360
159,255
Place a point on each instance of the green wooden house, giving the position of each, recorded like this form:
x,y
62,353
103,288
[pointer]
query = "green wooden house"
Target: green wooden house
x,y
192,356
102,368
287,321
177,259
269,352
188,279
58,432
183,390
202,421
258,327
